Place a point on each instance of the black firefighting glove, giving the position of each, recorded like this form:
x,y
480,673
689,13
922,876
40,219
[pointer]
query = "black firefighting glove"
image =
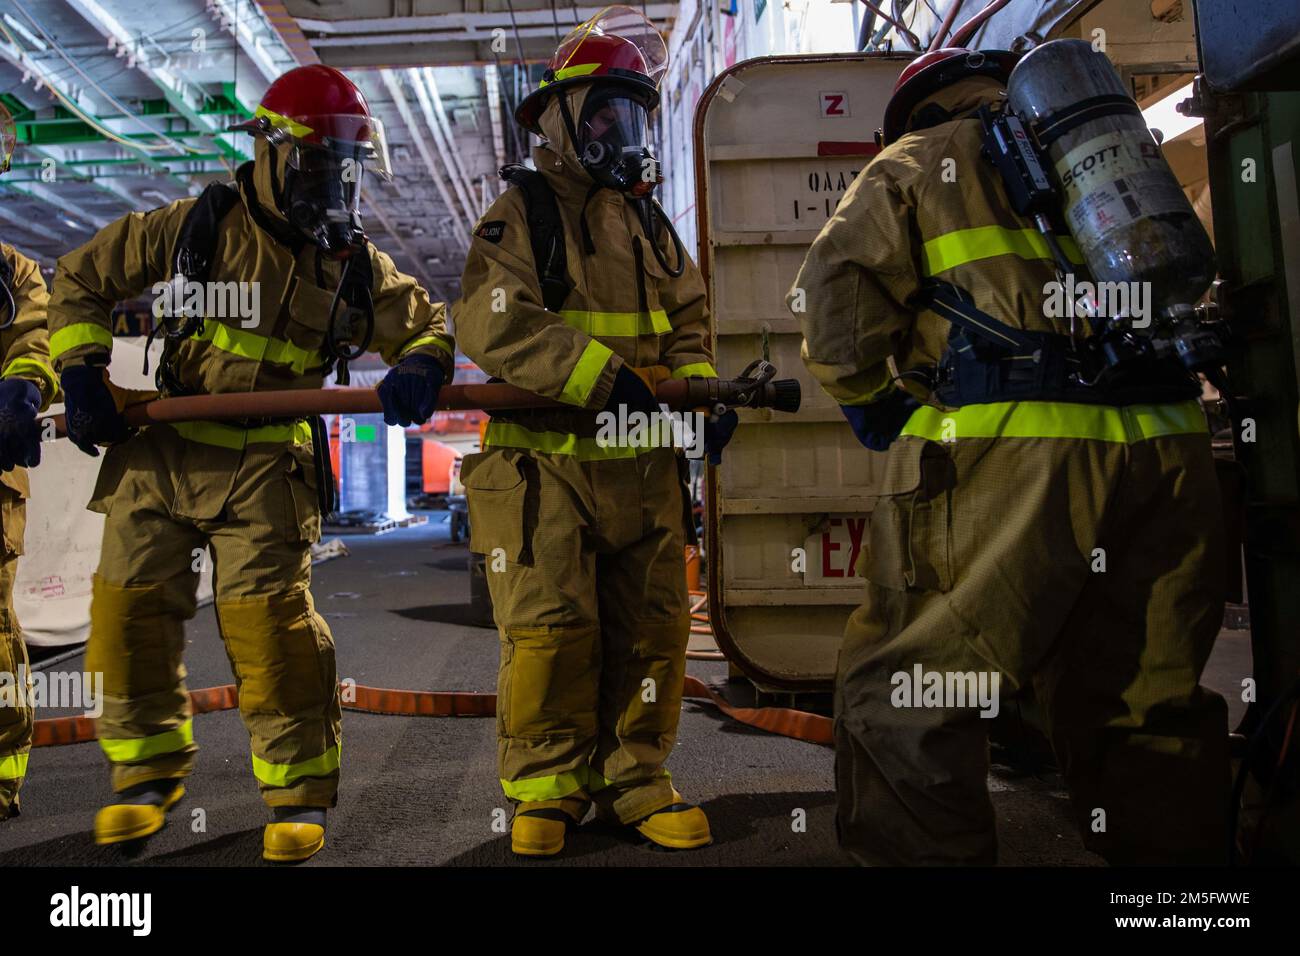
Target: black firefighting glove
x,y
92,415
409,392
20,436
717,433
879,423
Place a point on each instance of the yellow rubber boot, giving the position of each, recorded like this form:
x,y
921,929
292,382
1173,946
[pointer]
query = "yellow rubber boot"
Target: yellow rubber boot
x,y
538,831
539,826
296,834
679,826
123,822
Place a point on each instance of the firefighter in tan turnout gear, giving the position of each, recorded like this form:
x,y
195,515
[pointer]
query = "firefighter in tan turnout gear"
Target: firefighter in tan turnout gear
x,y
27,385
251,492
584,539
1000,495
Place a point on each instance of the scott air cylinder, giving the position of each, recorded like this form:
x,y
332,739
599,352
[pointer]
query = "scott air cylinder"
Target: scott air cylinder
x,y
1123,205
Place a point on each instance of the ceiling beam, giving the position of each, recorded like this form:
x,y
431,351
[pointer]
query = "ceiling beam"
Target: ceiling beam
x,y
183,97
394,84
461,22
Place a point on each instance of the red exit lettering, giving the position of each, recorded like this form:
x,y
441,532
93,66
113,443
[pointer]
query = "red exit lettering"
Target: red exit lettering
x,y
855,527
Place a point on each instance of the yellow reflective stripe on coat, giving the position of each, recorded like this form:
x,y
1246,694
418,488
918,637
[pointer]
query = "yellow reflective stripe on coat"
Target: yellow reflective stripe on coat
x,y
142,748
510,435
586,373
283,774
13,767
231,436
250,345
552,787
957,248
76,335
611,324
25,366
434,340
695,370
1129,424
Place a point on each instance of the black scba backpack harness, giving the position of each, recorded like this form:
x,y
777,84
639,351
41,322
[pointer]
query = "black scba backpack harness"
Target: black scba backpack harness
x,y
350,329
988,360
545,234
192,261
7,286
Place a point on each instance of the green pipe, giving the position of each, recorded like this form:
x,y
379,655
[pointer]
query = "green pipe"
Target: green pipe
x,y
91,179
126,160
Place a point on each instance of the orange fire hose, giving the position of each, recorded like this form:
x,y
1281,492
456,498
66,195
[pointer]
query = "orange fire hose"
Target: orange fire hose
x,y
144,408
799,724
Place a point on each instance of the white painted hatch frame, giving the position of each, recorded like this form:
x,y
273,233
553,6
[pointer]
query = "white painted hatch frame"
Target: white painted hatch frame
x,y
777,141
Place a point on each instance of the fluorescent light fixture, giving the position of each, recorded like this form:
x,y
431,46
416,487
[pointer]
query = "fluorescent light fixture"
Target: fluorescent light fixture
x,y
1161,115
26,34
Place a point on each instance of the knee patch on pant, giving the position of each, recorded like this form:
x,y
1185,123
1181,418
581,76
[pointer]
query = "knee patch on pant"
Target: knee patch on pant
x,y
136,637
548,682
15,706
650,698
282,654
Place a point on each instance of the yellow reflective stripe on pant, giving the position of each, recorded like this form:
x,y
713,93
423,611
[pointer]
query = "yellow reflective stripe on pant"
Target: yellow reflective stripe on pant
x,y
510,435
695,370
1128,424
586,373
550,787
131,751
231,436
625,324
281,775
13,767
961,246
74,336
555,786
250,345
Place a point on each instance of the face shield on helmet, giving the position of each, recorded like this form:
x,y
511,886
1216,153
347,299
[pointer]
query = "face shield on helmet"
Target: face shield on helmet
x,y
327,157
8,139
618,57
613,141
618,40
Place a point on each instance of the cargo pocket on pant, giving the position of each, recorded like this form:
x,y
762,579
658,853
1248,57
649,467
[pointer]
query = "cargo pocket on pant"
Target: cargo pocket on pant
x,y
909,540
496,493
13,512
112,468
302,507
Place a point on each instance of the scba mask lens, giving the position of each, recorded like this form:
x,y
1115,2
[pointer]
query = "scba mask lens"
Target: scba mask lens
x,y
613,133
324,193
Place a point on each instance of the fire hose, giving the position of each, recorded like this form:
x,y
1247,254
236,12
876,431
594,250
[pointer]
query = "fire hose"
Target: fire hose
x,y
798,724
754,388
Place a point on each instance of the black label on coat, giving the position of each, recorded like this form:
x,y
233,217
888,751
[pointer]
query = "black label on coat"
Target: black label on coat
x,y
491,231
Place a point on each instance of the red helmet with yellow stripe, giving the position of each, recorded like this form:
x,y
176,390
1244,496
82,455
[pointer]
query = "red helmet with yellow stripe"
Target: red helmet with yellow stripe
x,y
617,47
318,107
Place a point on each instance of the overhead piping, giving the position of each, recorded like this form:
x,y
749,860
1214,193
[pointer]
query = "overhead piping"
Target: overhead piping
x,y
394,86
445,148
431,85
